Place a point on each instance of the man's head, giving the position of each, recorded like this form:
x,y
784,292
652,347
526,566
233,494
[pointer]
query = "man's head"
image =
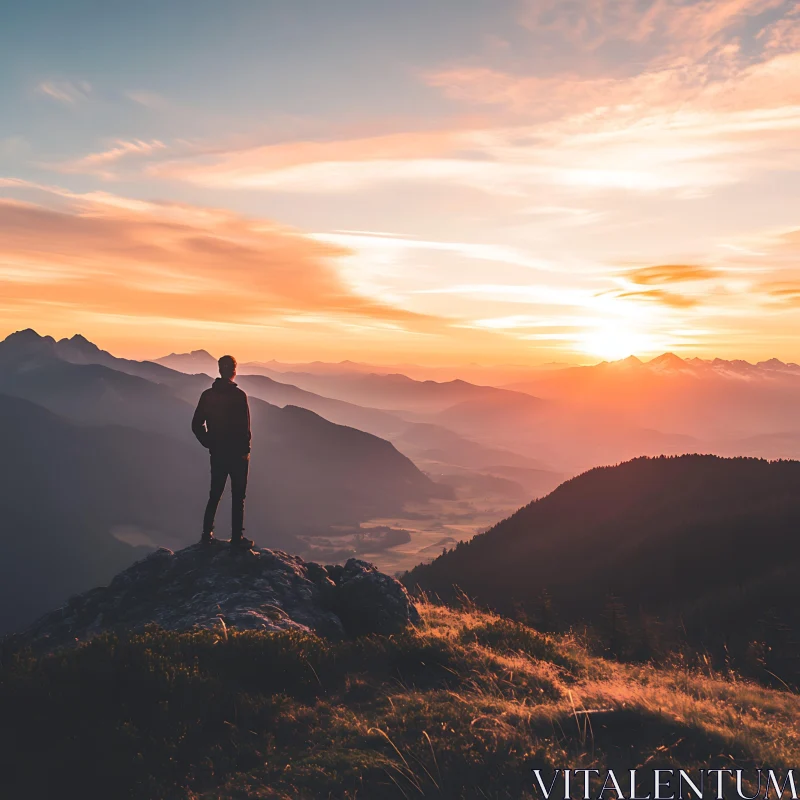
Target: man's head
x,y
227,368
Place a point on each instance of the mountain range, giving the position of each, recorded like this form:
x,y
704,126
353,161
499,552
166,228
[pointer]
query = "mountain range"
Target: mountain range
x,y
568,419
717,402
99,460
350,461
404,411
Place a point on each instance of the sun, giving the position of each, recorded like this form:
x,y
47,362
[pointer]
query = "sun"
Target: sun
x,y
613,344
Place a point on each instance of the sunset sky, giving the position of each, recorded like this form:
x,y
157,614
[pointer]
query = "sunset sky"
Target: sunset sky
x,y
493,181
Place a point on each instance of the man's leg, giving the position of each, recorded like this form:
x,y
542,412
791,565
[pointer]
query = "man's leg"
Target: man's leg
x,y
219,476
239,467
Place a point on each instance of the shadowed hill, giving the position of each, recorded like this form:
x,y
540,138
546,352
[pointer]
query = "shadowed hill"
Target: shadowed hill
x,y
94,394
706,543
64,489
336,475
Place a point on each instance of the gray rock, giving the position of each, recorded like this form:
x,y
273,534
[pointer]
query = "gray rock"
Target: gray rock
x,y
214,587
368,601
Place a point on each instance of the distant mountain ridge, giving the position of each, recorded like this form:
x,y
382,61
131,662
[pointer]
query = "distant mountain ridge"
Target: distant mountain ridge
x,y
27,348
489,375
669,363
388,391
194,362
400,409
726,406
202,360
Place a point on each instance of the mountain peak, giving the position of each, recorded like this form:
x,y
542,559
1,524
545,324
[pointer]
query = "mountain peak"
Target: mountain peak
x,y
667,359
630,361
21,346
80,342
195,361
32,343
776,365
27,335
669,362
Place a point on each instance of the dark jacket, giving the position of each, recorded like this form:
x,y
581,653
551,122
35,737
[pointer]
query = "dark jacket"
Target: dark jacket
x,y
221,420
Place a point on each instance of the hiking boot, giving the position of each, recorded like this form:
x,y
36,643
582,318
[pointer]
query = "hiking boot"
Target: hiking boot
x,y
242,542
208,538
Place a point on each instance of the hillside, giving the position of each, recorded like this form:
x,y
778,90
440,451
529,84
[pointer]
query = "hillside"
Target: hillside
x,y
705,545
65,490
463,706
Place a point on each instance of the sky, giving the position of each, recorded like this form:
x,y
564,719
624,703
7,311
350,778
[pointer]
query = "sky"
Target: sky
x,y
465,181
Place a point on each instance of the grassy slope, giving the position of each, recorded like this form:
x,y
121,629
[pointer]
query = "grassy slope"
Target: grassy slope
x,y
462,707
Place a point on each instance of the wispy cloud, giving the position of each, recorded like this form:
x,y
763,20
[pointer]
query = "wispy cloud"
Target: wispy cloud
x,y
66,92
782,35
336,163
670,27
669,130
148,99
99,163
374,241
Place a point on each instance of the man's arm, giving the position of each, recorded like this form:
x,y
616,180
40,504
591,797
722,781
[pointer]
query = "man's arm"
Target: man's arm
x,y
249,435
199,422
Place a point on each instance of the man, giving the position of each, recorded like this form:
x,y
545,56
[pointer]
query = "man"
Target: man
x,y
221,423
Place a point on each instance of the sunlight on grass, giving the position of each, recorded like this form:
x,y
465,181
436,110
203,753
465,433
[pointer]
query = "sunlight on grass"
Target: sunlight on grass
x,y
467,700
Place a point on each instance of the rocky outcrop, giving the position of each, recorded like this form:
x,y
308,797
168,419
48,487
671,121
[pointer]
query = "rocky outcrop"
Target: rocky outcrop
x,y
215,586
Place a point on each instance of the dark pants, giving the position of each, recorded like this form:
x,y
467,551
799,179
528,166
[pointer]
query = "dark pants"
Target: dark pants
x,y
222,465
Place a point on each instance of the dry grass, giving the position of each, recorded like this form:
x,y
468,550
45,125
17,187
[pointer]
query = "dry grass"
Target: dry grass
x,y
462,707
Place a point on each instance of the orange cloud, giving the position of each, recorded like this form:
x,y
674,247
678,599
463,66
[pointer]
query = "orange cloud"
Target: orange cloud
x,y
670,273
785,295
107,255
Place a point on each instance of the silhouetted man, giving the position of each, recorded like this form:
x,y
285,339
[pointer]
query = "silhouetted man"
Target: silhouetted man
x,y
221,423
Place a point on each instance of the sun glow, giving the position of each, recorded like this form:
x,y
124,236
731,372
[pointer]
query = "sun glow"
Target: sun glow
x,y
613,344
